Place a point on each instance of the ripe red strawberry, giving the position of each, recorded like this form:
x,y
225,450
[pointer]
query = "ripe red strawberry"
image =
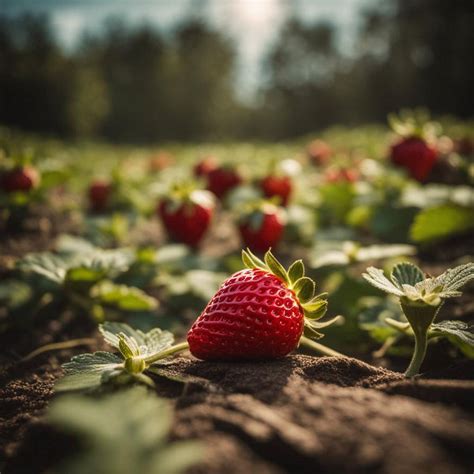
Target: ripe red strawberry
x,y
205,166
262,228
280,186
21,178
187,214
99,195
415,155
258,313
222,179
319,152
341,175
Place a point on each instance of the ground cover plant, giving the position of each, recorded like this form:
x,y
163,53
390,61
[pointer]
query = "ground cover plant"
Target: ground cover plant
x,y
238,307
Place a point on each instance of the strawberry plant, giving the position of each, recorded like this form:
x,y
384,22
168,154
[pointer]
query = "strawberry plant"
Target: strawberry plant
x,y
99,194
139,353
414,151
261,225
222,179
20,179
278,184
22,185
421,298
262,312
117,192
186,213
85,281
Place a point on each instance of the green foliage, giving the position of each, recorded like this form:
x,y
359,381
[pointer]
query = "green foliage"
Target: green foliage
x,y
83,275
421,299
121,433
91,371
122,297
441,222
149,343
392,223
458,333
346,253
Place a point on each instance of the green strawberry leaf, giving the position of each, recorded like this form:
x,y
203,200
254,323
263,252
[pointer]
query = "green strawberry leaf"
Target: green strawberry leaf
x,y
86,371
458,333
47,265
122,297
121,433
149,343
89,371
406,273
455,278
376,277
84,274
440,222
70,244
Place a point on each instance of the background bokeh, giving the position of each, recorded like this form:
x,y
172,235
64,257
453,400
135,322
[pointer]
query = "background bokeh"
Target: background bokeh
x,y
190,70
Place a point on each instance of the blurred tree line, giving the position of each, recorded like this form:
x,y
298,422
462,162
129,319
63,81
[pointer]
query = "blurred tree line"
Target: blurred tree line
x,y
138,85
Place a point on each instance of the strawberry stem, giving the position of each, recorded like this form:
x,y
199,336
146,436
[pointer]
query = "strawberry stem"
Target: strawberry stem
x,y
166,353
319,348
56,346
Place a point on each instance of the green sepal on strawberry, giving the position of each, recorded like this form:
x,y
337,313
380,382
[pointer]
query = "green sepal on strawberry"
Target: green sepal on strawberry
x,y
261,226
187,213
259,313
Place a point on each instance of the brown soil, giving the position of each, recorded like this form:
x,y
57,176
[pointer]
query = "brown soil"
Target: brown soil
x,y
300,413
38,232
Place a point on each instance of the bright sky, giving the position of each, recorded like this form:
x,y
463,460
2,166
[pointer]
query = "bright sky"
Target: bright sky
x,y
254,24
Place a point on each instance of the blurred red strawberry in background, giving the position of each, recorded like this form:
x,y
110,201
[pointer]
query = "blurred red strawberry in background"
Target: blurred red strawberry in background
x,y
414,150
20,179
186,213
415,155
99,195
277,186
222,179
261,226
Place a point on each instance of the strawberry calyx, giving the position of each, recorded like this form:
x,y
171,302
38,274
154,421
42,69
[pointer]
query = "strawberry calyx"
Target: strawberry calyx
x,y
314,306
188,195
253,212
414,124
